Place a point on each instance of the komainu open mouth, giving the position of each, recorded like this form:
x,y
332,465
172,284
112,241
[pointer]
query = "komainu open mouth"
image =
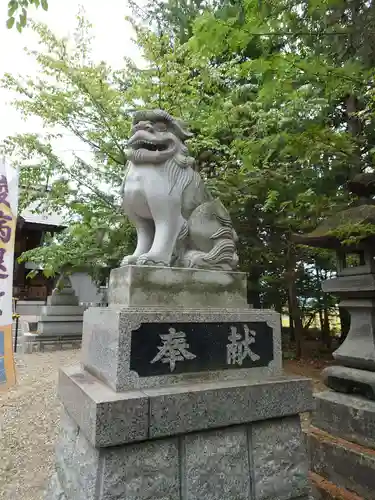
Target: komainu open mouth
x,y
150,146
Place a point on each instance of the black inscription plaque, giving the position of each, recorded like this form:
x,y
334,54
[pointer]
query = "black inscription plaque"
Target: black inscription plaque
x,y
173,348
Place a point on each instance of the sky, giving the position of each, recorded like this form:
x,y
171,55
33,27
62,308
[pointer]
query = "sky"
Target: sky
x,y
113,41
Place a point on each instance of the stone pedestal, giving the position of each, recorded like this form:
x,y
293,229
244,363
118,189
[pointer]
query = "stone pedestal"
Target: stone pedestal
x,y
171,287
62,316
176,403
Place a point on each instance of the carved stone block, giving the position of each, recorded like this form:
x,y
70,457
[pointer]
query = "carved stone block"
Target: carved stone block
x,y
131,348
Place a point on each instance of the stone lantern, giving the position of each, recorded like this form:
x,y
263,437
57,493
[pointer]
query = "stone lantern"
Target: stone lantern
x,y
342,437
355,286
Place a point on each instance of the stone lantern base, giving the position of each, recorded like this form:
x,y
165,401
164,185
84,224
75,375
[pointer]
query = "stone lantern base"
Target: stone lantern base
x,y
342,447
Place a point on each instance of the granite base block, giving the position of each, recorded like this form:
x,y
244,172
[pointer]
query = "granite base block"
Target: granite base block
x,y
219,404
110,419
149,470
216,465
350,380
345,416
148,286
280,462
77,462
229,463
105,417
107,343
347,465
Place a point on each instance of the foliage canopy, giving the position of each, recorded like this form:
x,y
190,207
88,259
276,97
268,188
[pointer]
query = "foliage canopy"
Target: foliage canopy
x,y
279,95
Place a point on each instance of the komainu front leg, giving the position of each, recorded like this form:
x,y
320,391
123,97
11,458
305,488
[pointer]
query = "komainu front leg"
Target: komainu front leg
x,y
169,224
145,236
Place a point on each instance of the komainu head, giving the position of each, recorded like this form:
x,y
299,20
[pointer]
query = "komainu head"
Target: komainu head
x,y
157,137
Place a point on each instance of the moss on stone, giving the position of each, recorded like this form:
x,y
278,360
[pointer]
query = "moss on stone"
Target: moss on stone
x,y
356,221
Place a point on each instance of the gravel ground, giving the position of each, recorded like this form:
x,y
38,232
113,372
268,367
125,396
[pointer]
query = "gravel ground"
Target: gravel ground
x,y
29,421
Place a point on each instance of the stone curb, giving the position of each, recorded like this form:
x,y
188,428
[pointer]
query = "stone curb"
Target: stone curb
x,y
349,466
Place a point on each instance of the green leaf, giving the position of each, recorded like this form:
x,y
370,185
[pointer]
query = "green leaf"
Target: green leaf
x,y
31,274
44,4
10,22
23,18
12,7
48,272
19,27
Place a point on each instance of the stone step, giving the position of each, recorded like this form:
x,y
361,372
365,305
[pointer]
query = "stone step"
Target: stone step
x,y
40,343
346,416
64,291
29,307
62,300
325,490
56,328
347,465
62,310
62,318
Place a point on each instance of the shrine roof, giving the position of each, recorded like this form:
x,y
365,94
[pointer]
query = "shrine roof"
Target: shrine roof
x,y
42,219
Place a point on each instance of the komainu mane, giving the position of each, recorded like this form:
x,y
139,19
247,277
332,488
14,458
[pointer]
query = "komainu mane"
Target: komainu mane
x,y
178,222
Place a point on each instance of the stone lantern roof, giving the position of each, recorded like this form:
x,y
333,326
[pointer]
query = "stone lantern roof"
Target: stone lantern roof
x,y
361,213
322,236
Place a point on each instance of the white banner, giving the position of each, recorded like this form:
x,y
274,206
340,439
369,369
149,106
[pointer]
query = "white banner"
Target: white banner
x,y
8,221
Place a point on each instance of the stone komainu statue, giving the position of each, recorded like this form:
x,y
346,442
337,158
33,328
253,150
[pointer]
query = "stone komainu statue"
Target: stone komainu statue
x,y
178,222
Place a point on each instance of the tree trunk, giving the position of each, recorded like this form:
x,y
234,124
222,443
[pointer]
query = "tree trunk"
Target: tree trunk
x,y
354,128
326,332
253,290
321,319
295,312
354,124
297,320
278,305
291,323
322,309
